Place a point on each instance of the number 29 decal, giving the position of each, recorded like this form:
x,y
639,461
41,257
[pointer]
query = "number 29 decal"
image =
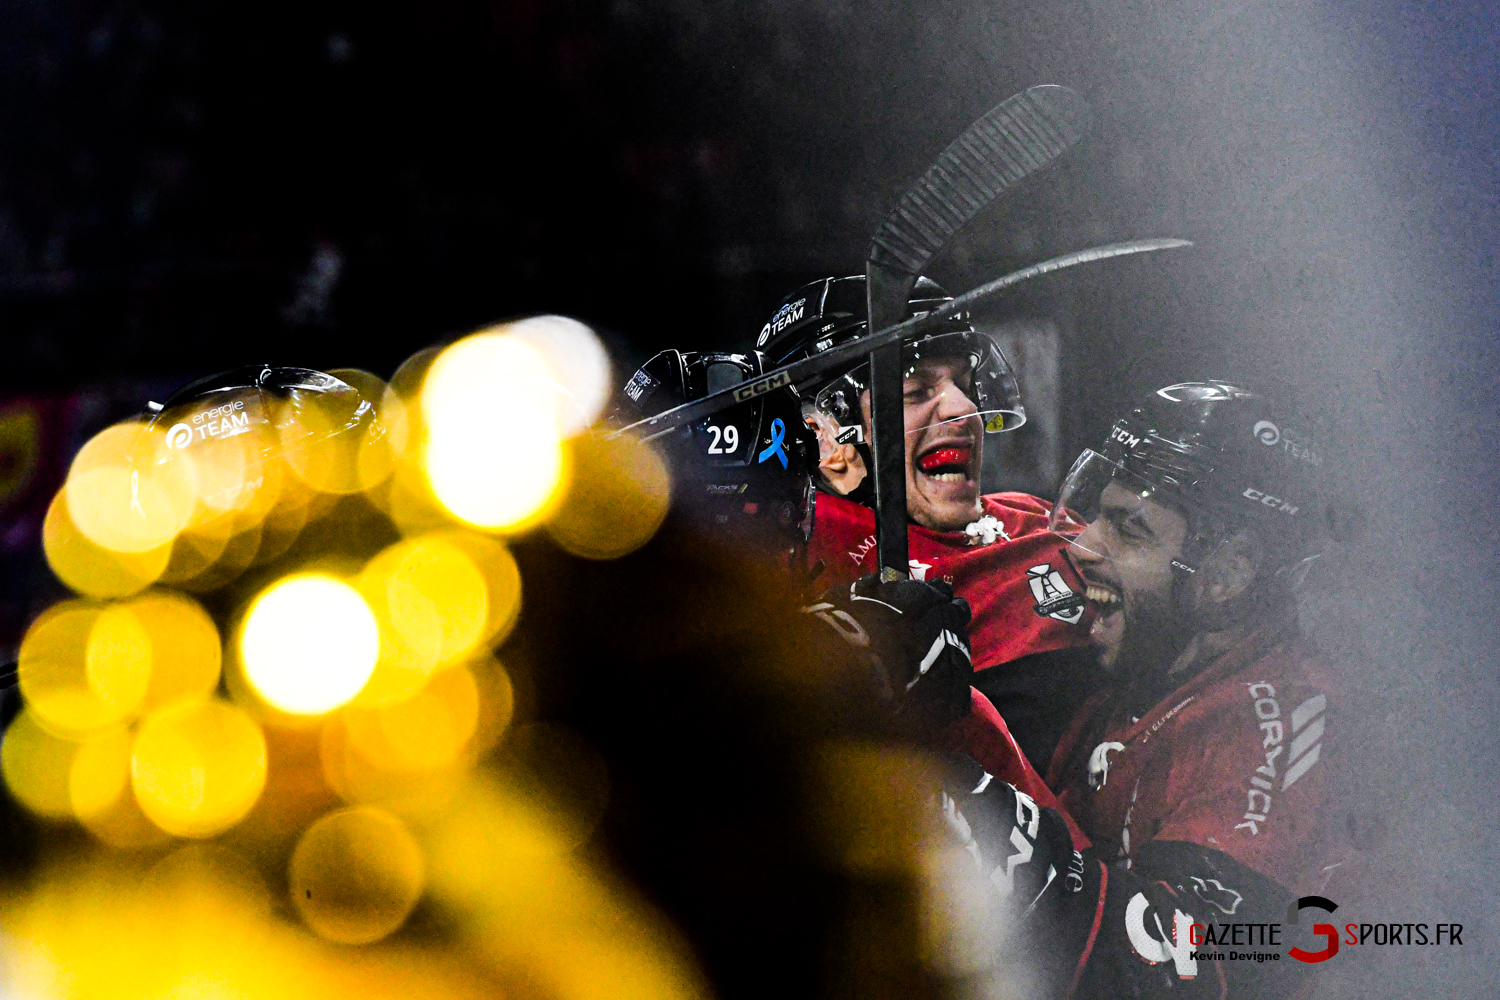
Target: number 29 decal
x,y
726,439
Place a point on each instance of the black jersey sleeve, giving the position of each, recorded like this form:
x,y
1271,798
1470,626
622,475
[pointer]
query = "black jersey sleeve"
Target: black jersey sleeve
x,y
1038,694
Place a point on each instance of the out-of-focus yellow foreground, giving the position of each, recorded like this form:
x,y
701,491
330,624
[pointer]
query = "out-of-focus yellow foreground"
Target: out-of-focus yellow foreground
x,y
259,741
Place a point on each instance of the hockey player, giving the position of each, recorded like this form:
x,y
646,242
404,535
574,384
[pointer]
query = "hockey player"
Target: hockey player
x,y
1202,773
1029,639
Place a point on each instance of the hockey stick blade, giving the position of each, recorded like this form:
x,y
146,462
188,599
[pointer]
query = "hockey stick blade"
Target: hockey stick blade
x,y
799,373
1013,140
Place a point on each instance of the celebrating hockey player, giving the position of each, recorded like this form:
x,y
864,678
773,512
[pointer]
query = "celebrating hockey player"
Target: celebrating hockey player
x,y
1029,638
1203,772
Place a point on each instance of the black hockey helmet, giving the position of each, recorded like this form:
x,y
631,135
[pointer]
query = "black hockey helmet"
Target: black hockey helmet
x,y
1224,458
746,470
292,408
832,311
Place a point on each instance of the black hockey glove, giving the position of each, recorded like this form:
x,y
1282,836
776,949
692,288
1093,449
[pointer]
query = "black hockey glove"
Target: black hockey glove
x,y
914,639
1022,849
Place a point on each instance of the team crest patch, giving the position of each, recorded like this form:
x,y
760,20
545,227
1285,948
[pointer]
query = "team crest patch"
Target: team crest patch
x,y
1054,598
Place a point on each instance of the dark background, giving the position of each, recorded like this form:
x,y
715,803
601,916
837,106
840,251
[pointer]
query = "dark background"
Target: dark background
x,y
189,186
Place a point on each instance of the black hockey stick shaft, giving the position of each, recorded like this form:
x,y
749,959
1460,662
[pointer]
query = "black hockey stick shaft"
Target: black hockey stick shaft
x,y
887,292
1009,143
799,372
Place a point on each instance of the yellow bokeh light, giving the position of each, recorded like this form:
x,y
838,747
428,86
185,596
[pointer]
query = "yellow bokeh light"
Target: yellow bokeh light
x,y
230,447
577,362
433,596
616,501
492,449
424,733
38,767
285,522
122,824
309,643
186,651
561,777
501,479
92,569
196,550
378,447
437,598
332,440
412,758
126,494
240,553
122,510
99,774
502,580
356,874
223,544
418,795
576,930
59,778
84,666
497,703
197,768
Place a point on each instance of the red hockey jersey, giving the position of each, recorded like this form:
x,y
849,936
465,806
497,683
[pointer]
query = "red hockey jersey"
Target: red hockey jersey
x,y
1236,759
1007,565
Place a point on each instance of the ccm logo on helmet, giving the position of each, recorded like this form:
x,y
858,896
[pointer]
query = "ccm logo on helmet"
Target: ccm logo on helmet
x,y
762,386
1270,501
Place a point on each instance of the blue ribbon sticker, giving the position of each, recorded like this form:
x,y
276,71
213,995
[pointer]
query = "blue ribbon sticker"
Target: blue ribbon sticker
x,y
778,435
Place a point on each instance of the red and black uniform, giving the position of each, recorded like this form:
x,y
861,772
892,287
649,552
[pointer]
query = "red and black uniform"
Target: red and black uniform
x,y
1215,806
1028,634
1235,759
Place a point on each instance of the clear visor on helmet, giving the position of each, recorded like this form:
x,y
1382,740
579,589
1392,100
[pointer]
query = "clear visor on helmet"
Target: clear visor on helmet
x,y
948,377
1098,490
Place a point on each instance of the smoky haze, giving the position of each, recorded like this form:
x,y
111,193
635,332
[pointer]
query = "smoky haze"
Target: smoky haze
x,y
1335,166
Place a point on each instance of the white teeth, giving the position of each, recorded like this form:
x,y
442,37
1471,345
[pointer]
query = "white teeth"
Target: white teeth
x,y
948,477
1101,595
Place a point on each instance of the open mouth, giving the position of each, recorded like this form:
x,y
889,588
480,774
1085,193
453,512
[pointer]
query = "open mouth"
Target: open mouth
x,y
1105,598
947,463
1109,612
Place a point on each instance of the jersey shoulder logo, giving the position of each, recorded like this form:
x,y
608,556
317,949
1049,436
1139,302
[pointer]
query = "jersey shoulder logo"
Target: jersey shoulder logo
x,y
1054,598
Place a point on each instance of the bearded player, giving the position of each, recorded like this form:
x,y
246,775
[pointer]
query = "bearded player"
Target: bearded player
x,y
1029,641
1203,772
